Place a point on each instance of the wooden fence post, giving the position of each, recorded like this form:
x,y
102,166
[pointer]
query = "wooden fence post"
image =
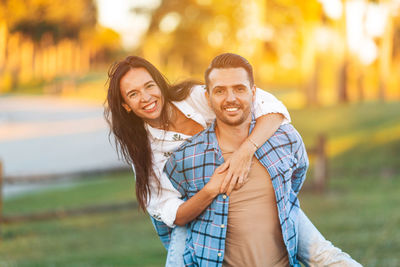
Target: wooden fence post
x,y
320,169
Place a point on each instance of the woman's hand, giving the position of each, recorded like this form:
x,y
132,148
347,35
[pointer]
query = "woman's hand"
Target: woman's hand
x,y
238,166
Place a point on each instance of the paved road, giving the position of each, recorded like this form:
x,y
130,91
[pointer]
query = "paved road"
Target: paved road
x,y
51,135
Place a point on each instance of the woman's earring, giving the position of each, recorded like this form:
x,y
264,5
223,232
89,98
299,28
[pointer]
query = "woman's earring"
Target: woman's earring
x,y
126,107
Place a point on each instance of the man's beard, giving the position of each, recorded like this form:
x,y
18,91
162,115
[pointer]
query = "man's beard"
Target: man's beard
x,y
219,113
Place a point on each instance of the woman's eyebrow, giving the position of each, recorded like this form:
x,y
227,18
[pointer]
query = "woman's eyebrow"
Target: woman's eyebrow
x,y
146,83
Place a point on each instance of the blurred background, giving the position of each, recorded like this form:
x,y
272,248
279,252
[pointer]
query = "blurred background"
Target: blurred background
x,y
67,200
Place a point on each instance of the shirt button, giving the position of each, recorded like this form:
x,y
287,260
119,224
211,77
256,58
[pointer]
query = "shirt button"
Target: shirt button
x,y
222,225
219,254
189,115
224,196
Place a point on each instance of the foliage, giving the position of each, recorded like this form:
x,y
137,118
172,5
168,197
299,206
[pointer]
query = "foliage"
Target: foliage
x,y
45,40
190,32
265,32
59,18
290,43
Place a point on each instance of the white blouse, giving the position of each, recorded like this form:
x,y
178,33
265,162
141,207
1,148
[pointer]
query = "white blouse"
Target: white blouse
x,y
164,204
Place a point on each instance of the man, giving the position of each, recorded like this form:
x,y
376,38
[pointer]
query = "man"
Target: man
x,y
256,225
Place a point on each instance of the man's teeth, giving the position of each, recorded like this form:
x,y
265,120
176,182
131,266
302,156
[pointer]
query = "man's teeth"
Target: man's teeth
x,y
232,109
150,106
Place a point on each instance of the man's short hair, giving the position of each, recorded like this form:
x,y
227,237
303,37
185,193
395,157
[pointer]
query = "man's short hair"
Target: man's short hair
x,y
229,60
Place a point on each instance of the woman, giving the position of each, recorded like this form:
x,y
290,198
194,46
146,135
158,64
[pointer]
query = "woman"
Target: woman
x,y
150,119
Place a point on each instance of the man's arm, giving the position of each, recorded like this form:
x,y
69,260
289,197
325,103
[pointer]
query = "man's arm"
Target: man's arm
x,y
194,206
299,174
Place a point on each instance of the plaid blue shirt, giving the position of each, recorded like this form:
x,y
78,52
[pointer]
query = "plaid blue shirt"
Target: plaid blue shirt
x,y
191,167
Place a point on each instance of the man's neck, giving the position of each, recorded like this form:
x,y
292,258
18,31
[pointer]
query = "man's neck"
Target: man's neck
x,y
231,137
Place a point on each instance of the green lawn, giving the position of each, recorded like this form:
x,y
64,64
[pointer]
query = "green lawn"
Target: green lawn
x,y
359,213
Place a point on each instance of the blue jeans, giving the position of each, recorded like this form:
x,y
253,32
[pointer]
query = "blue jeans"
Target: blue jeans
x,y
176,247
313,248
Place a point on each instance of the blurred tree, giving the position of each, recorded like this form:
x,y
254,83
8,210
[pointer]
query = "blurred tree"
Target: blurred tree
x,y
105,41
275,35
342,87
184,35
58,18
295,29
51,40
385,56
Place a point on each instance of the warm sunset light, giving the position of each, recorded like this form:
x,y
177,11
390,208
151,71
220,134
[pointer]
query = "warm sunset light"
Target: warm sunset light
x,y
199,133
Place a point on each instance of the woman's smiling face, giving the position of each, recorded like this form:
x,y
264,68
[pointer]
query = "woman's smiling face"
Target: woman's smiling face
x,y
142,95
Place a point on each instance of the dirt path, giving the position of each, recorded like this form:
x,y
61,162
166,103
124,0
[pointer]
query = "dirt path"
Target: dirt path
x,y
51,135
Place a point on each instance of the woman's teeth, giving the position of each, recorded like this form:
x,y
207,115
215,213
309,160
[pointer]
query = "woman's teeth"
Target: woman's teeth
x,y
148,107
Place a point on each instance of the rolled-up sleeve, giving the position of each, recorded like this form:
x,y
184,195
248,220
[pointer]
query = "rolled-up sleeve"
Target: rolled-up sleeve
x,y
163,205
266,103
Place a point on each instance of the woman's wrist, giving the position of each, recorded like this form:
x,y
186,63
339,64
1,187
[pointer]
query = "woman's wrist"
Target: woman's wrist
x,y
251,145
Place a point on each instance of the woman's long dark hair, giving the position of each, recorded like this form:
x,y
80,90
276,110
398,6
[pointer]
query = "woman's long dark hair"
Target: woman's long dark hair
x,y
131,138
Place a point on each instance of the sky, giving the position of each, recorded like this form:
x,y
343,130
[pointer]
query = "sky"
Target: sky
x,y
120,16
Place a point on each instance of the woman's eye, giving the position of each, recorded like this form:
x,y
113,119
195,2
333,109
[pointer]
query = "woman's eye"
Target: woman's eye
x,y
133,94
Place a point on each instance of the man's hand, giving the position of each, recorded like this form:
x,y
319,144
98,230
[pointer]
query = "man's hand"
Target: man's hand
x,y
238,166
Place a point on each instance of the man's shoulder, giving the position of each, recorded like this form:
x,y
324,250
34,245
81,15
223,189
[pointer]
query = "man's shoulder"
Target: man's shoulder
x,y
286,128
286,135
184,154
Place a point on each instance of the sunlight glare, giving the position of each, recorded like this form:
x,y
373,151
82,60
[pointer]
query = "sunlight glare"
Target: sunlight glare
x,y
170,22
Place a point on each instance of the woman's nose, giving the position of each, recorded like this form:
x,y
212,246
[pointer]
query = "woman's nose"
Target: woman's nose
x,y
145,97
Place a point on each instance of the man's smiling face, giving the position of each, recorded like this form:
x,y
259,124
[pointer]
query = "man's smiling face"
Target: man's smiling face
x,y
230,95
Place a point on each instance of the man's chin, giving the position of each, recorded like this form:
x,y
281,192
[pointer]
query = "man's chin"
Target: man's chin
x,y
232,121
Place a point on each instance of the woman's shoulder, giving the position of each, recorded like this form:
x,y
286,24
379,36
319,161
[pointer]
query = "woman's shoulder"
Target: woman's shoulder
x,y
192,143
197,89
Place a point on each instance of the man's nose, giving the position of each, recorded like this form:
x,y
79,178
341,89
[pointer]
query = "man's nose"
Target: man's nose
x,y
231,97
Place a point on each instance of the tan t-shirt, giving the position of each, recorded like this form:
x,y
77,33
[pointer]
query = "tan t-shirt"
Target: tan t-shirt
x,y
254,236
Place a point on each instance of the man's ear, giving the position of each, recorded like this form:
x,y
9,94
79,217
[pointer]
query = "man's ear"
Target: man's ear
x,y
126,107
253,91
207,97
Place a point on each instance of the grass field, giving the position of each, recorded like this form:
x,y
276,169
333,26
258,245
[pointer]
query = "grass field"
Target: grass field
x,y
360,212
